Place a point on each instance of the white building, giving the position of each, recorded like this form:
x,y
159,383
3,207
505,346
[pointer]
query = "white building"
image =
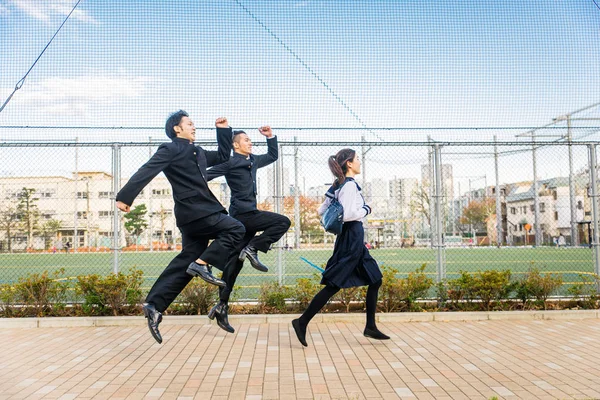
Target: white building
x,y
84,204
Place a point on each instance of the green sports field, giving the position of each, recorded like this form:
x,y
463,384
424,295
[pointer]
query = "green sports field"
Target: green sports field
x,y
571,263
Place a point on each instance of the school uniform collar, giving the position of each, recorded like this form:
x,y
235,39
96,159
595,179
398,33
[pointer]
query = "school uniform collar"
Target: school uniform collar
x,y
243,157
181,140
331,192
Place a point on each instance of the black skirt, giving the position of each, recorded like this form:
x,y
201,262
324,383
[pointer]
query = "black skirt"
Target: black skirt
x,y
351,264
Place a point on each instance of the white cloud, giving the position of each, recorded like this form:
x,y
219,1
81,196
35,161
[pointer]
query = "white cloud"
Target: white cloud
x,y
62,95
46,10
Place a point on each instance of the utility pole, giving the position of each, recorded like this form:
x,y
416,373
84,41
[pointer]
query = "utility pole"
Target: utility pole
x,y
297,226
498,205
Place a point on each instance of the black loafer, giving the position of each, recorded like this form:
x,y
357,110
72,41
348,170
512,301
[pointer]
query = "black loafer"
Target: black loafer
x,y
375,334
249,252
220,313
204,271
300,332
154,318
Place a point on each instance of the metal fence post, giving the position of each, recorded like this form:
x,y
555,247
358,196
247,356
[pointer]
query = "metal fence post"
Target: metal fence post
x,y
574,233
75,216
439,241
279,209
498,205
297,226
116,172
595,239
536,196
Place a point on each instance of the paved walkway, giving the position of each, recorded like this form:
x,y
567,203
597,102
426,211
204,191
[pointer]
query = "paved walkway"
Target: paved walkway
x,y
529,359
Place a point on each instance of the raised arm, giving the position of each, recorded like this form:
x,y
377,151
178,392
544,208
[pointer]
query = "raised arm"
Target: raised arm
x,y
224,141
218,170
272,149
159,161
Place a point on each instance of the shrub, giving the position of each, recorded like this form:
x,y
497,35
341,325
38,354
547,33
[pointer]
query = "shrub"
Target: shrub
x,y
198,297
347,296
585,292
272,297
8,298
110,293
415,286
39,291
538,286
491,285
389,293
305,290
460,289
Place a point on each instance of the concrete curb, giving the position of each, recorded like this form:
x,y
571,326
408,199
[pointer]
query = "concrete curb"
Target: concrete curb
x,y
71,322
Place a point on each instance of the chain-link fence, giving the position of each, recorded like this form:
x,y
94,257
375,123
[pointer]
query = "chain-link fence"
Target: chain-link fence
x,y
451,206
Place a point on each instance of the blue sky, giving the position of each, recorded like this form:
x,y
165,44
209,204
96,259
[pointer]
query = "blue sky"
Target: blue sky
x,y
394,63
291,64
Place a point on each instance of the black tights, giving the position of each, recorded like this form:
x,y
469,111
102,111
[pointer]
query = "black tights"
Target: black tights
x,y
321,298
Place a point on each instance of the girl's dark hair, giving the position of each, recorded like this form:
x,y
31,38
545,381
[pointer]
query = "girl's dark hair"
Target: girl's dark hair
x,y
174,120
338,164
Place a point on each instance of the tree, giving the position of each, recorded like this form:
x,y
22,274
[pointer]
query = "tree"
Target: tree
x,y
135,222
9,223
29,213
477,212
162,217
419,203
49,230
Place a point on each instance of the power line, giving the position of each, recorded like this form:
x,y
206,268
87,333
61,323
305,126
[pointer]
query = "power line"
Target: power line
x,y
307,67
22,81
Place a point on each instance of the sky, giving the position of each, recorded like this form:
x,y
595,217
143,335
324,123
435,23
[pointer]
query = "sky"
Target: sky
x,y
298,64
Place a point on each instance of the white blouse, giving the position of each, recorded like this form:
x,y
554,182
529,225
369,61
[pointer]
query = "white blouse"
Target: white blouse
x,y
355,208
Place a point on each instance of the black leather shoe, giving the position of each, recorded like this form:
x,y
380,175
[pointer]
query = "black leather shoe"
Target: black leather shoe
x,y
375,334
249,252
220,312
154,318
300,332
204,271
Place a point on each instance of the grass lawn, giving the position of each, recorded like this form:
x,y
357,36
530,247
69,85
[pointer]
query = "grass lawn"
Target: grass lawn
x,y
568,262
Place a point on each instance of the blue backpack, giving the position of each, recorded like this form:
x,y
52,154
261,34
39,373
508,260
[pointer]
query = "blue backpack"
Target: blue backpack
x,y
332,219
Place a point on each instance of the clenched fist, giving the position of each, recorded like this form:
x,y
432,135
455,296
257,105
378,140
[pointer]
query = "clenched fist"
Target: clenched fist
x,y
266,131
123,207
221,122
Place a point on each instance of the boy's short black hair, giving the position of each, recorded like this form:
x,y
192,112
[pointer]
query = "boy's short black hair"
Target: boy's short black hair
x,y
174,120
236,133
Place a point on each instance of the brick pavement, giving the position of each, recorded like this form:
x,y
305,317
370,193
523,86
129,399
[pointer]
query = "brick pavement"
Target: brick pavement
x,y
512,359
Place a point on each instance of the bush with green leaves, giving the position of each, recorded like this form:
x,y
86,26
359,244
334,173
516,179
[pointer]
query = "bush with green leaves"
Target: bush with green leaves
x,y
305,289
112,293
415,286
347,296
491,285
585,292
535,285
460,289
389,292
272,297
8,299
40,292
198,297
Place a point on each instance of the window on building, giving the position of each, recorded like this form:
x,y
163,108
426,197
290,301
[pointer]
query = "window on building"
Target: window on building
x,y
82,214
542,207
556,215
532,208
580,205
524,209
105,195
105,214
520,227
82,195
513,210
554,194
47,193
161,192
48,214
